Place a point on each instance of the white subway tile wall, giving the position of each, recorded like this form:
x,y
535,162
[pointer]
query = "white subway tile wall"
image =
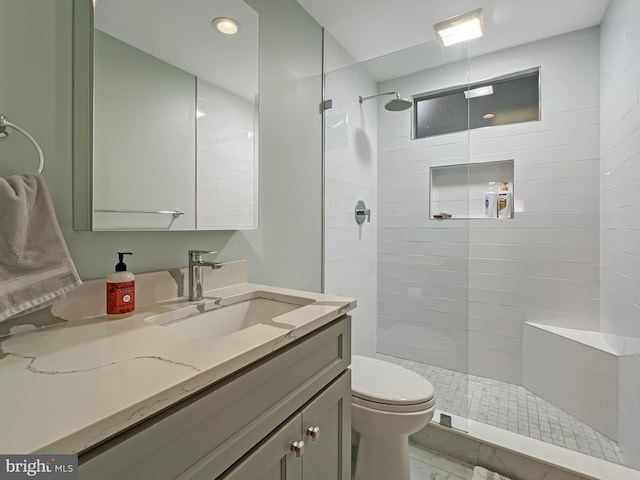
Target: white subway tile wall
x,y
227,171
351,175
423,263
620,208
437,278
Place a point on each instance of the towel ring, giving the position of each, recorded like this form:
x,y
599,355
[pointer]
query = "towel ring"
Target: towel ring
x,y
5,130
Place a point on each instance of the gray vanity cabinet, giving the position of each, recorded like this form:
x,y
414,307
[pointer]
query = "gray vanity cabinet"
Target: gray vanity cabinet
x,y
244,426
273,460
326,428
313,445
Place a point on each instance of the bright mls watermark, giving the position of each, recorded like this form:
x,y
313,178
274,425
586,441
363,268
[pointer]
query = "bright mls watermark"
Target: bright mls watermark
x,y
44,467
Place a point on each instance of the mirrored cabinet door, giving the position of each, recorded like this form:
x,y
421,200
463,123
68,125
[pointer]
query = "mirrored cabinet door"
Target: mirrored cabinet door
x,y
166,128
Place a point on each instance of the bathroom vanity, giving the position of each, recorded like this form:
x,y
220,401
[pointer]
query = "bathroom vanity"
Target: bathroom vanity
x,y
289,411
181,391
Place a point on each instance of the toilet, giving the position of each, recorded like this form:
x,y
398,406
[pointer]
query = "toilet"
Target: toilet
x,y
388,403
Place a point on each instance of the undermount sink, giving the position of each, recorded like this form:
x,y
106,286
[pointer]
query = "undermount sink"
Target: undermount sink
x,y
228,319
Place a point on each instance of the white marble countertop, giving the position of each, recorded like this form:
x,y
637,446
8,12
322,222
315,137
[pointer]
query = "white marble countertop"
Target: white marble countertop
x,y
67,387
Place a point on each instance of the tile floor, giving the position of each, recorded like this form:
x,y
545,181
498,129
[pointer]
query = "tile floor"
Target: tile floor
x,y
512,408
429,465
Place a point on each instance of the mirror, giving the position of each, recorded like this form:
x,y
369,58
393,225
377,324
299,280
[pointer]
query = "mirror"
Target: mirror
x,y
173,138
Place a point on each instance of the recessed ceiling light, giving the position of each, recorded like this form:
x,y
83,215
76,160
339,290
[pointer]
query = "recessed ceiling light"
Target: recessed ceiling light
x,y
460,28
226,25
478,92
488,116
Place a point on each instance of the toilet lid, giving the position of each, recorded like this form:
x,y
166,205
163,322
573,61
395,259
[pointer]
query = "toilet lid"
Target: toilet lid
x,y
383,382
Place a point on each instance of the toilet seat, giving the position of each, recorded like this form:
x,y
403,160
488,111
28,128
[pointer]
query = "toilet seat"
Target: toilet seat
x,y
393,408
381,385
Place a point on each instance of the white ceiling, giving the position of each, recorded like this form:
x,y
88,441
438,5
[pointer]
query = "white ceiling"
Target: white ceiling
x,y
180,33
371,28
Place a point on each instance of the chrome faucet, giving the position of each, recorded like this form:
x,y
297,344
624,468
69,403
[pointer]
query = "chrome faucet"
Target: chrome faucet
x,y
196,263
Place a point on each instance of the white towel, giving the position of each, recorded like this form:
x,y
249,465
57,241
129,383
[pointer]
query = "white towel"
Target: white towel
x,y
35,266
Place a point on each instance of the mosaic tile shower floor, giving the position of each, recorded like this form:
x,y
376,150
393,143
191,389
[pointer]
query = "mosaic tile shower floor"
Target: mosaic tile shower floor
x,y
513,408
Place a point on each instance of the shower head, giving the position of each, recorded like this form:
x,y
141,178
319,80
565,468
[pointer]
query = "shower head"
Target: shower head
x,y
394,105
398,104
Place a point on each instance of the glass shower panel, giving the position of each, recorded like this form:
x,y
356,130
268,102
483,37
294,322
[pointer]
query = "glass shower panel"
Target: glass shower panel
x,y
407,267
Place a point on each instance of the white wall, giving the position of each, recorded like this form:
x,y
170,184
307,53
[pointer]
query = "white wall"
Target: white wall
x,y
226,180
541,266
351,175
620,208
286,250
28,96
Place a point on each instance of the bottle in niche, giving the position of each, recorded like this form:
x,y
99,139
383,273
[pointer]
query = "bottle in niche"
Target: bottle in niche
x,y
121,290
491,201
505,202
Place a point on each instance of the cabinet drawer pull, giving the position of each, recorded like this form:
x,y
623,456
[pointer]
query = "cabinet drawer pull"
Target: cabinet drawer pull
x,y
298,447
314,433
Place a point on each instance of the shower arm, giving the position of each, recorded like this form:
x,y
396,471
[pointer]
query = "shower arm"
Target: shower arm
x,y
362,99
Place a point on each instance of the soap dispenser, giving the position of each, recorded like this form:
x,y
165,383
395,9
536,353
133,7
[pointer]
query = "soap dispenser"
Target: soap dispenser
x,y
505,202
121,290
491,201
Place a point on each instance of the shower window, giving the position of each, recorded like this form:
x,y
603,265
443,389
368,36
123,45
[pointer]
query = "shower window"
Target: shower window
x,y
509,99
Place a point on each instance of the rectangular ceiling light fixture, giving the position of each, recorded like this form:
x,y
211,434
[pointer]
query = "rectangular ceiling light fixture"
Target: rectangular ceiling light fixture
x,y
478,92
460,28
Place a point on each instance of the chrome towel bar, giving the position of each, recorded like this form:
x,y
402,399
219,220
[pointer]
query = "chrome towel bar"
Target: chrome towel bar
x,y
176,213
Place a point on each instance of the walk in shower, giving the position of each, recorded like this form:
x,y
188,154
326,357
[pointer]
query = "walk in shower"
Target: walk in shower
x,y
501,313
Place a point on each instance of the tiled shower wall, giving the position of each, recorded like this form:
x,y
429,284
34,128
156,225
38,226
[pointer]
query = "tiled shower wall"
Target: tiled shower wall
x,y
226,152
541,266
620,209
351,175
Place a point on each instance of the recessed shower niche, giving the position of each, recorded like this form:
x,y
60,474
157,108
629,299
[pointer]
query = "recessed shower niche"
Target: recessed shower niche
x,y
458,191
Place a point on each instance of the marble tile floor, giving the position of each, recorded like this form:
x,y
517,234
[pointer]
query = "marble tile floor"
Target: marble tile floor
x,y
429,465
513,408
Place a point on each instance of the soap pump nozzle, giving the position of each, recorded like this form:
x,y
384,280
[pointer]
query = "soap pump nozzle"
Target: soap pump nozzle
x,y
121,266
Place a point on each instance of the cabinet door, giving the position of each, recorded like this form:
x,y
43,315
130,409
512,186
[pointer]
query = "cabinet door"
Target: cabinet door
x,y
275,459
323,427
326,422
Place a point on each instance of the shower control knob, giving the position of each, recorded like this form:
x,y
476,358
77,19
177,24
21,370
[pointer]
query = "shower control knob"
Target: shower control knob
x,y
298,447
314,433
361,212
